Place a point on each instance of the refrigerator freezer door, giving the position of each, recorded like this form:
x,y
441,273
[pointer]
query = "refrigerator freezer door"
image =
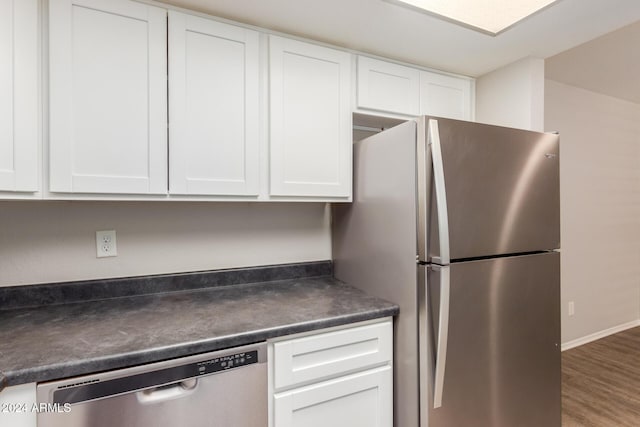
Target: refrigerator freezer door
x,y
503,343
502,188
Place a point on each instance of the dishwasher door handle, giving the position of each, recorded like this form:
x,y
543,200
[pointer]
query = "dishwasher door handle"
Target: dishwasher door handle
x,y
167,392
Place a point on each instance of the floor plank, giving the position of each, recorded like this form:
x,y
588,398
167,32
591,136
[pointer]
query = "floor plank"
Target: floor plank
x,y
601,382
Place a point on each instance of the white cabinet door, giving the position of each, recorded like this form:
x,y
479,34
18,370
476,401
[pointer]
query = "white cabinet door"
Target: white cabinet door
x,y
213,107
310,119
385,86
18,404
364,399
19,103
108,97
445,96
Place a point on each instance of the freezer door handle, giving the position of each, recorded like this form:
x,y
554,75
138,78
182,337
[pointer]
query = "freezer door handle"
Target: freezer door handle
x,y
433,138
442,338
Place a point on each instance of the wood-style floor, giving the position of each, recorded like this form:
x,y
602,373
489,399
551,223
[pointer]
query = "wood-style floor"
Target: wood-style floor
x,y
601,382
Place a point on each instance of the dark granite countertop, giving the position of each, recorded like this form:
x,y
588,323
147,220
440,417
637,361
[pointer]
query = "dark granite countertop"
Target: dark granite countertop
x,y
62,339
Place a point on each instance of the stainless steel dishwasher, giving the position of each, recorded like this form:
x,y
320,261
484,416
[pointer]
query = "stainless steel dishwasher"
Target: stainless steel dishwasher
x,y
226,388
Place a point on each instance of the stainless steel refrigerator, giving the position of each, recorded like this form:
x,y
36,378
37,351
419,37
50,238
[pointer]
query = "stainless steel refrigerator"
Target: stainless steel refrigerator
x,y
459,224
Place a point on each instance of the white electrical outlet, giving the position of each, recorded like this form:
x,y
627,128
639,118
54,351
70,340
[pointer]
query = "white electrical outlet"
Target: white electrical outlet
x,y
571,308
106,243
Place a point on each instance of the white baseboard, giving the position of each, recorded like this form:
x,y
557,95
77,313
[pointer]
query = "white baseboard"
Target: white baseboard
x,y
601,334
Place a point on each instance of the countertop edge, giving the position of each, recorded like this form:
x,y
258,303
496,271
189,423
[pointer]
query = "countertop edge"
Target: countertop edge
x,y
119,361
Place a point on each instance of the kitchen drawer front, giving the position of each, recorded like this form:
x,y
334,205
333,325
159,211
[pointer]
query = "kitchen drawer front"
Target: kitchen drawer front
x,y
364,399
303,360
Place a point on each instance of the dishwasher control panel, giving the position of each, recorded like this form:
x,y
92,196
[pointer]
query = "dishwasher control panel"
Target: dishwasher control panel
x,y
145,377
227,362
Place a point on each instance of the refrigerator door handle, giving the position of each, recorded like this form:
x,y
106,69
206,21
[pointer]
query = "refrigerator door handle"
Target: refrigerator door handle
x,y
443,337
440,191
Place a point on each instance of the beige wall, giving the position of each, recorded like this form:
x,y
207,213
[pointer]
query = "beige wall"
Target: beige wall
x,y
513,95
55,241
600,207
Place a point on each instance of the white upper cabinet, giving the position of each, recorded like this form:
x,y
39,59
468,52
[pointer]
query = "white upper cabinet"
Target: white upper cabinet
x,y
19,102
149,104
445,96
213,107
388,87
310,117
108,97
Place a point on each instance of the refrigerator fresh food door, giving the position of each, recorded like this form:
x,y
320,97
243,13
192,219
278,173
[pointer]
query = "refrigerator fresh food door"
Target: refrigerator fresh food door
x,y
499,188
501,355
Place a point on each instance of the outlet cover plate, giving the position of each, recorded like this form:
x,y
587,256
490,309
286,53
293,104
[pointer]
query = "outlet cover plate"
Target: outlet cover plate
x,y
106,243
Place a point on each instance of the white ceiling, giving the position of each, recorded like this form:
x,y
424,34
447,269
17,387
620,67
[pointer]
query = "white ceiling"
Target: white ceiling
x,y
383,28
609,65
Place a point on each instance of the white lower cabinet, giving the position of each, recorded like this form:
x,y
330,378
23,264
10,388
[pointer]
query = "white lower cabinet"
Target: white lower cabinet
x,y
341,377
358,400
18,406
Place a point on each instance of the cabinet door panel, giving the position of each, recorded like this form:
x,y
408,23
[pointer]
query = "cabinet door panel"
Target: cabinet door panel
x,y
19,99
310,120
108,97
21,399
214,100
445,96
360,400
385,86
